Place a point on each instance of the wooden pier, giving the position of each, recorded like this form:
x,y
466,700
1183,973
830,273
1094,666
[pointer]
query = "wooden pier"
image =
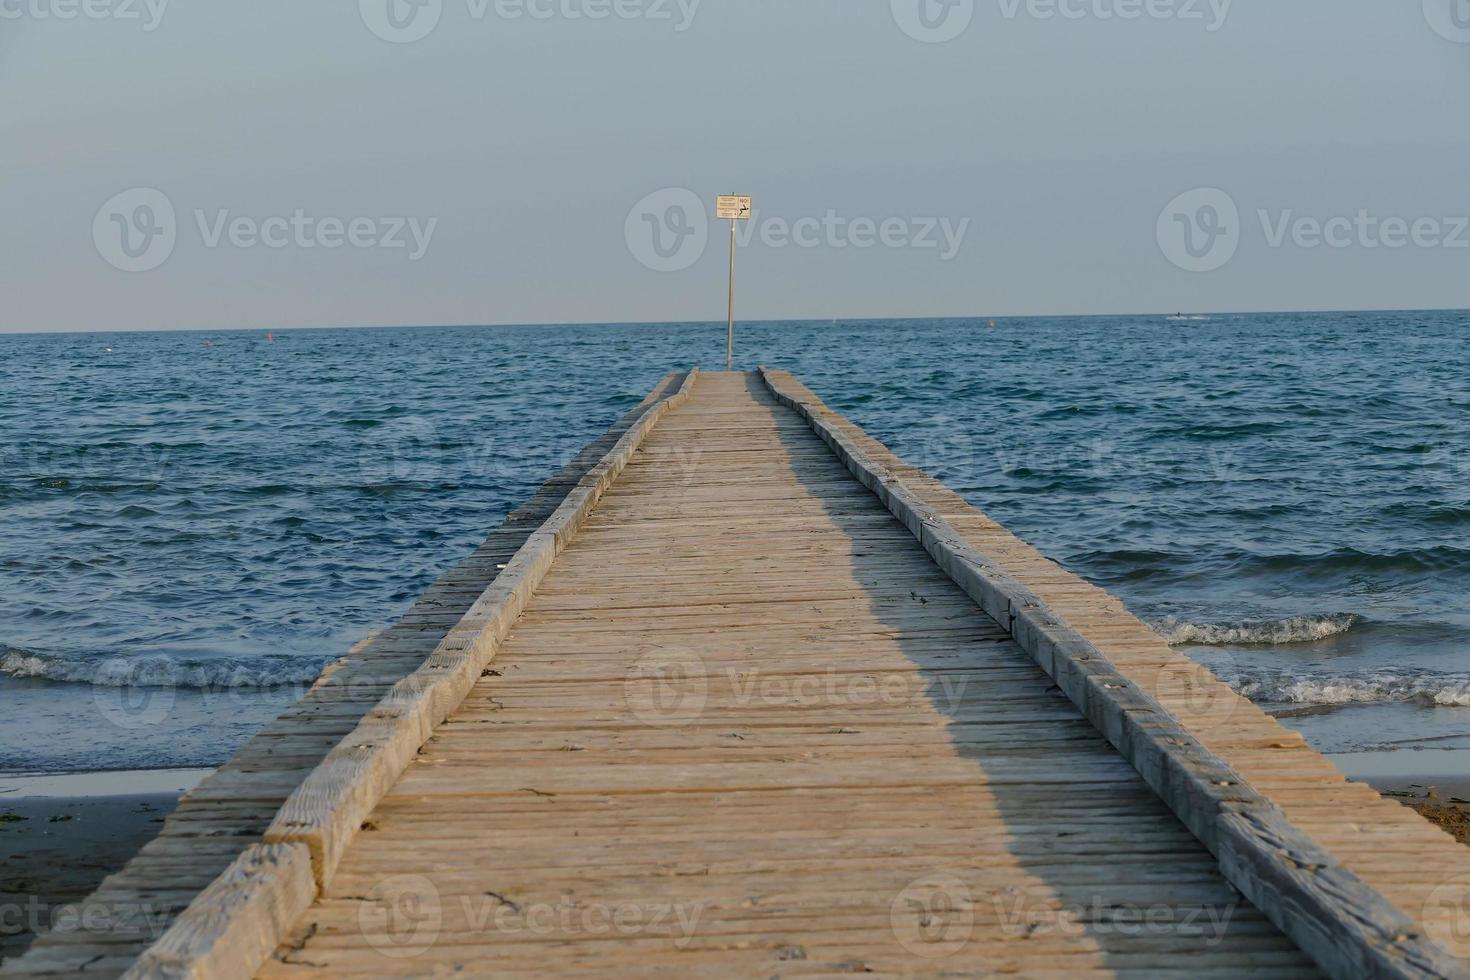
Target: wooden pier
x,y
739,693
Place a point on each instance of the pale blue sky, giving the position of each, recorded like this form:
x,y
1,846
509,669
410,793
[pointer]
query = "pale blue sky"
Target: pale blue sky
x,y
1053,144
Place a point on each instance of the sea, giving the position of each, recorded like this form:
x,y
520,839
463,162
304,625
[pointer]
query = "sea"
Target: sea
x,y
192,524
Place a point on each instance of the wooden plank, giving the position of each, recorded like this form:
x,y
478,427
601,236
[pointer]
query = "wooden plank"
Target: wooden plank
x,y
769,713
1347,926
257,780
234,923
800,805
326,811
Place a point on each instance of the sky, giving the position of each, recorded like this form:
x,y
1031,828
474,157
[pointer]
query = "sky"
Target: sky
x,y
278,164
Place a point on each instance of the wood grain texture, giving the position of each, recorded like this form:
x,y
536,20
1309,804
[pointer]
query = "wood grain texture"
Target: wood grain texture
x,y
231,809
765,701
746,727
324,813
234,923
1349,926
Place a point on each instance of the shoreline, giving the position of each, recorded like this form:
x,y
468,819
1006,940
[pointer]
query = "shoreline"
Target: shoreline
x,y
1448,812
60,835
1439,793
98,783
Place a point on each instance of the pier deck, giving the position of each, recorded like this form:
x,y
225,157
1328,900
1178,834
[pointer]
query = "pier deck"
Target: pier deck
x,y
766,701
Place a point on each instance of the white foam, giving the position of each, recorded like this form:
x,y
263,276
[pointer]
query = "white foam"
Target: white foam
x,y
1269,632
1396,686
213,673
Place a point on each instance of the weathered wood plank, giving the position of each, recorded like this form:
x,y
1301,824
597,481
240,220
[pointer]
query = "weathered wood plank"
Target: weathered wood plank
x,y
234,923
1347,926
326,810
259,780
772,713
238,920
860,728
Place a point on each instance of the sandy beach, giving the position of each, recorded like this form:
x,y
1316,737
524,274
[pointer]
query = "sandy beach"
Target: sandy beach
x,y
61,835
1435,784
1449,813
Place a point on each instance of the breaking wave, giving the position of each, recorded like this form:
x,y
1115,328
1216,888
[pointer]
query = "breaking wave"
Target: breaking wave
x,y
212,673
1268,632
1389,686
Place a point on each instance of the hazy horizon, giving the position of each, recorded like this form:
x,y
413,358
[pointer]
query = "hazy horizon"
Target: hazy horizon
x,y
998,317
517,162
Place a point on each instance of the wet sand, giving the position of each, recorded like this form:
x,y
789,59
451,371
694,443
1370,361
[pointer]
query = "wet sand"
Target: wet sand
x,y
1435,784
56,848
1444,803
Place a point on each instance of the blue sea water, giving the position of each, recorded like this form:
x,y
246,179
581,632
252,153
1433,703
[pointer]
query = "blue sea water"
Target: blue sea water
x,y
199,521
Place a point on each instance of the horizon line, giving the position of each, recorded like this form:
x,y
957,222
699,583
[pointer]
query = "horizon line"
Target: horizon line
x,y
721,322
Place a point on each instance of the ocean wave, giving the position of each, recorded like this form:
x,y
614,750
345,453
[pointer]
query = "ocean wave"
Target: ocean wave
x,y
1438,558
1389,686
214,673
1337,562
1431,513
1221,431
1267,632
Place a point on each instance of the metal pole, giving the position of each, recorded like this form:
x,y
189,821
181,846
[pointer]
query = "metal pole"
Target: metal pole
x,y
730,317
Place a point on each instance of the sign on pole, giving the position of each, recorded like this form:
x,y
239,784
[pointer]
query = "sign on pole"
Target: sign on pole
x,y
732,206
735,207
